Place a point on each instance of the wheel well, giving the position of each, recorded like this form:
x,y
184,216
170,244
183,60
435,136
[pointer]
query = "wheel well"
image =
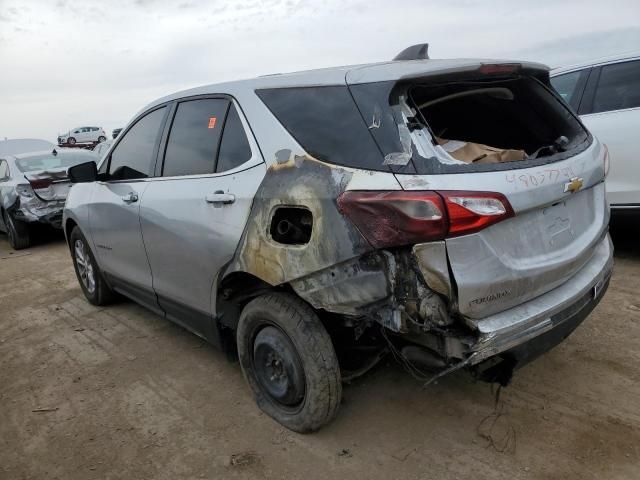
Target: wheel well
x,y
68,228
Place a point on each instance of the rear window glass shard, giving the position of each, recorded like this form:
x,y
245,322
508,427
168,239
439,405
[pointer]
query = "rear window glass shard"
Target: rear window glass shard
x,y
457,127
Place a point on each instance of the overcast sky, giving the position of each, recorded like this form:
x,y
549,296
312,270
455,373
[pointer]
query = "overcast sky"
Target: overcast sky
x,y
65,64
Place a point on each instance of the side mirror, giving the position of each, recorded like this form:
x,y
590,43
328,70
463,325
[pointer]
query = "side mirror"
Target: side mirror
x,y
83,172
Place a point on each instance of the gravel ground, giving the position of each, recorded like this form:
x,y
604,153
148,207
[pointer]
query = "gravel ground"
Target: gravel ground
x,y
119,392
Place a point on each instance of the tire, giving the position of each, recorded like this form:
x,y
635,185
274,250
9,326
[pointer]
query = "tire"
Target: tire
x,y
102,138
71,141
90,278
289,362
17,232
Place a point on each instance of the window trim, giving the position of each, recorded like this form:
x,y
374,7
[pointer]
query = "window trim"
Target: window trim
x,y
256,154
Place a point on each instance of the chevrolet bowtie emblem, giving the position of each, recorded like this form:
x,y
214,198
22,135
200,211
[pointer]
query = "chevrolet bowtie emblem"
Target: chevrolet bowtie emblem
x,y
573,186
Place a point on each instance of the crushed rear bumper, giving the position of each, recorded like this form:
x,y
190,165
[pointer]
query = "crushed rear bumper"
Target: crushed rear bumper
x,y
530,329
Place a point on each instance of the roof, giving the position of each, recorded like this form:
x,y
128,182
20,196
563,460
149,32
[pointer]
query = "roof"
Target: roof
x,y
352,74
597,61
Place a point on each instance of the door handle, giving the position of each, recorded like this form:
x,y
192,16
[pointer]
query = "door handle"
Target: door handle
x,y
130,197
220,197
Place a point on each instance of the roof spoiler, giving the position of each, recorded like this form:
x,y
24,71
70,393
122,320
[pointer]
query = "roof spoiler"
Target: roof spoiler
x,y
414,52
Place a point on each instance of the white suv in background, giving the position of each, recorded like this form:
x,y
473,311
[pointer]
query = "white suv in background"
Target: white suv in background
x,y
606,95
83,135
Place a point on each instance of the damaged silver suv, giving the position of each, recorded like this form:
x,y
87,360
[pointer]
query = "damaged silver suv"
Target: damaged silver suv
x,y
450,211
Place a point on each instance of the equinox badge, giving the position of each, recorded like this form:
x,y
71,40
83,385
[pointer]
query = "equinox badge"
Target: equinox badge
x,y
573,186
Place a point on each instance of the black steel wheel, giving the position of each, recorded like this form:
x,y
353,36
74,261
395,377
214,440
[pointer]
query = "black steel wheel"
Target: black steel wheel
x,y
289,362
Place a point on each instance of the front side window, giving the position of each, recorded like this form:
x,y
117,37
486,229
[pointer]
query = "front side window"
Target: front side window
x,y
618,87
134,156
195,136
234,148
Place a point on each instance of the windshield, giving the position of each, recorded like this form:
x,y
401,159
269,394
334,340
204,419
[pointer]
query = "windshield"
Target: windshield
x,y
52,162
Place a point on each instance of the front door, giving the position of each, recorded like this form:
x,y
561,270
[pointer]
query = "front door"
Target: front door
x,y
114,216
193,216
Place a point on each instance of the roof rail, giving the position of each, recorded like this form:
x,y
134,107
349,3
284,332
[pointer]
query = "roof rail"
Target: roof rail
x,y
414,52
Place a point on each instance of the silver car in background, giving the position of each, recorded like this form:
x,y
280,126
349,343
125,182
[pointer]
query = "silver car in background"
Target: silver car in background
x,y
450,211
33,189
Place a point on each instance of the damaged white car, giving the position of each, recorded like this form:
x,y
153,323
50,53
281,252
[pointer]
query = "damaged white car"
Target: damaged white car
x,y
450,211
33,188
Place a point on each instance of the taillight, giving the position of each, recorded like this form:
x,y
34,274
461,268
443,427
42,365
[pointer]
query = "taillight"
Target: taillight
x,y
407,217
470,212
499,68
395,218
38,184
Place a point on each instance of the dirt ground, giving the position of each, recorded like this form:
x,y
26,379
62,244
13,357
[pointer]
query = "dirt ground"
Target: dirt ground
x,y
119,392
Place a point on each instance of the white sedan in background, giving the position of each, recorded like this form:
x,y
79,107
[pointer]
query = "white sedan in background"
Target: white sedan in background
x,y
606,95
83,135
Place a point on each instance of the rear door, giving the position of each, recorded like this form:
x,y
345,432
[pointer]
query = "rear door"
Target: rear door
x,y
612,113
114,209
193,215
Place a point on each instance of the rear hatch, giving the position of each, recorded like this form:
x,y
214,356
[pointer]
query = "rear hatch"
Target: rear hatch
x,y
486,135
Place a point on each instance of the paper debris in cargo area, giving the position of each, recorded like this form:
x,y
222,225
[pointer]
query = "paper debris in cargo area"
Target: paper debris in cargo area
x,y
470,152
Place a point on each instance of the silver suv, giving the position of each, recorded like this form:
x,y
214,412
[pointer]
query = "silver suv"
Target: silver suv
x,y
451,212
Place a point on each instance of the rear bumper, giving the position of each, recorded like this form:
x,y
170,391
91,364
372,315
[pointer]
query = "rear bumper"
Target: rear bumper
x,y
538,325
49,215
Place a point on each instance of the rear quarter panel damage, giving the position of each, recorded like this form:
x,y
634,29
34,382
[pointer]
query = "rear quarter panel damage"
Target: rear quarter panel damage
x,y
298,180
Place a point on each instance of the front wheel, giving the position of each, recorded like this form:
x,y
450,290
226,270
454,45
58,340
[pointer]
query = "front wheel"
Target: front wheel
x,y
18,232
71,141
102,138
91,281
289,362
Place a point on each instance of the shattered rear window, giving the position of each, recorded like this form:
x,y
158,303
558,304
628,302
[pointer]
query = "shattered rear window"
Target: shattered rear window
x,y
326,122
52,162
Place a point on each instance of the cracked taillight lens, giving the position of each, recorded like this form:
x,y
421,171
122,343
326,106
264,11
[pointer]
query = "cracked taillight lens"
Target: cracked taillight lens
x,y
389,219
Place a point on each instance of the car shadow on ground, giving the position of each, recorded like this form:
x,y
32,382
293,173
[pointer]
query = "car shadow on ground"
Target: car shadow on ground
x,y
625,233
41,235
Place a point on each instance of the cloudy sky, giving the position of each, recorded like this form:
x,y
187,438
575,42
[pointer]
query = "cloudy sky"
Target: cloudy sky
x,y
66,63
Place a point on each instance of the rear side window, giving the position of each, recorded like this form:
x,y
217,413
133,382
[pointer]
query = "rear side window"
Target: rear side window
x,y
234,149
618,87
570,86
195,135
326,123
135,154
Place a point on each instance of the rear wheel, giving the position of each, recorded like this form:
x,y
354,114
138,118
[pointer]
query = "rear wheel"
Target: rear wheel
x,y
289,362
91,281
18,232
71,141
